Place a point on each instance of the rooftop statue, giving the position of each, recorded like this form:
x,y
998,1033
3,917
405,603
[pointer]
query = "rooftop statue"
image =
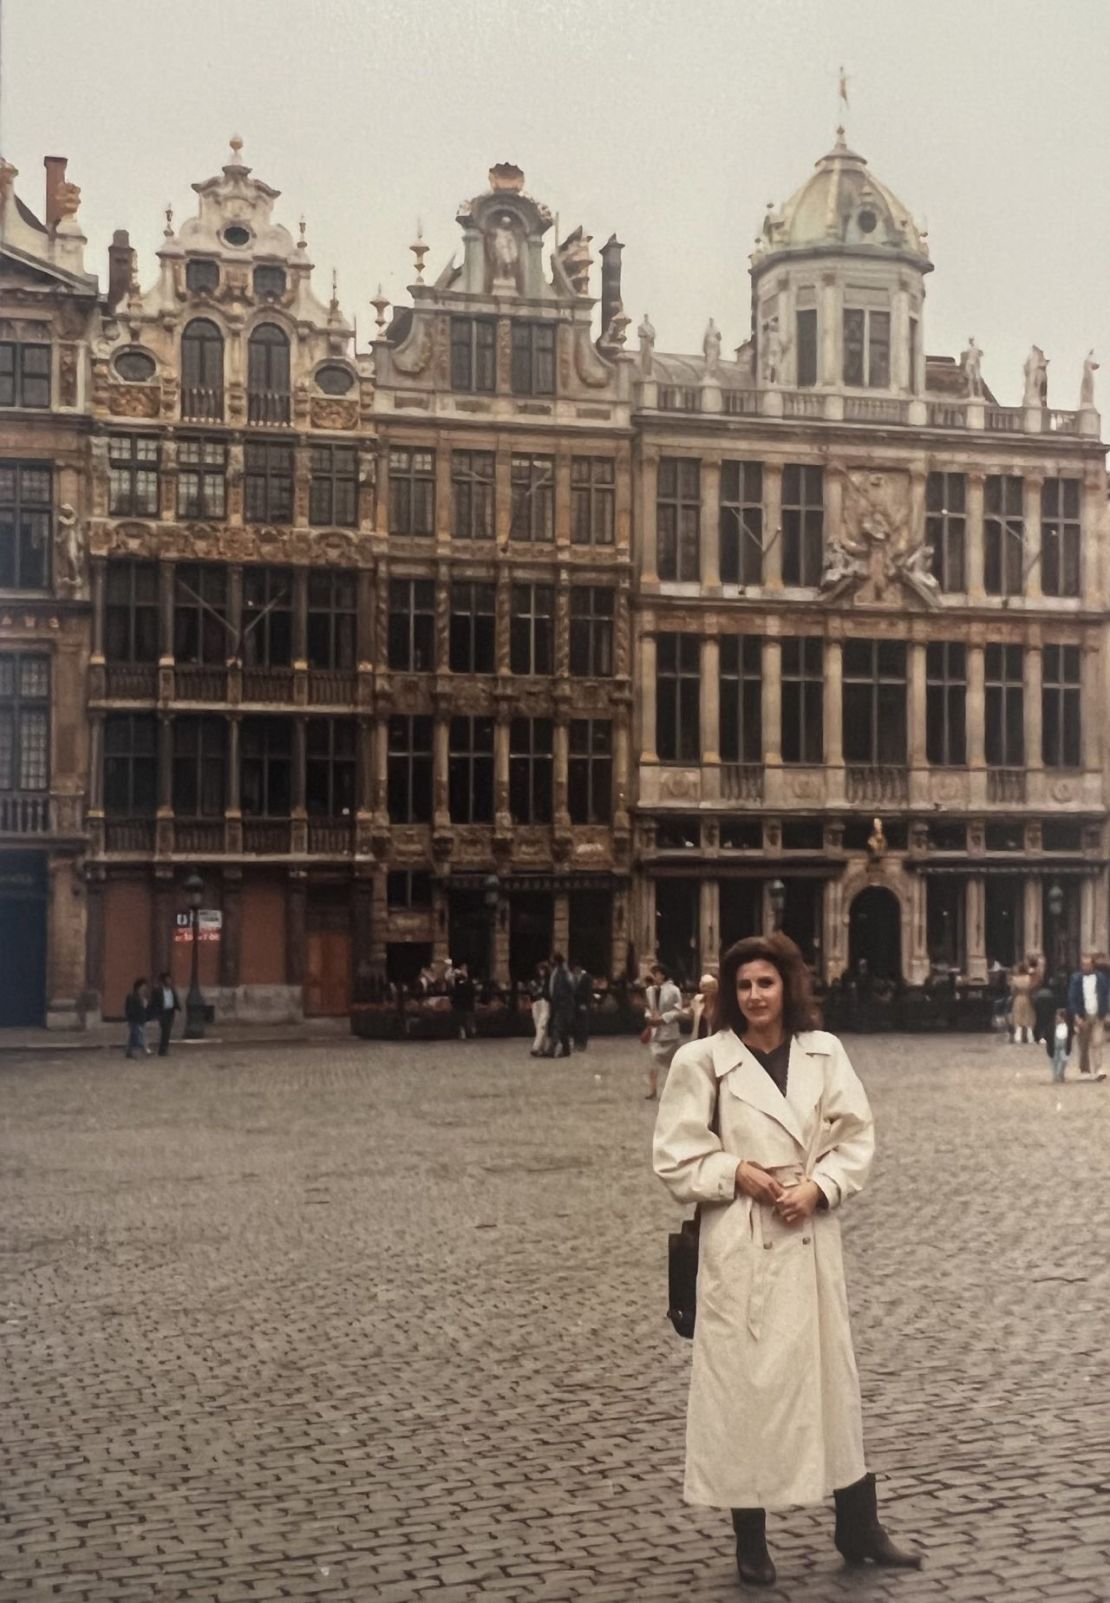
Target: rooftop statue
x,y
711,347
971,361
1036,378
1087,383
646,335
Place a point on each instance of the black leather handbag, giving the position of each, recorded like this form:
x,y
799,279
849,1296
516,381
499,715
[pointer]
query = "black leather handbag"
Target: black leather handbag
x,y
682,1266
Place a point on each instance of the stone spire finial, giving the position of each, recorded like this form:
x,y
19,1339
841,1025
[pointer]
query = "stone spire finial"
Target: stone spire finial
x,y
168,230
379,303
236,157
419,250
302,243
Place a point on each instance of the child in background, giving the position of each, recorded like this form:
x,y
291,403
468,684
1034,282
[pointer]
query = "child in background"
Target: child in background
x,y
1059,1047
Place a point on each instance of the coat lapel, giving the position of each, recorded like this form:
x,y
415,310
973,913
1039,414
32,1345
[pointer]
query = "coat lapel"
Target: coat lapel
x,y
749,1080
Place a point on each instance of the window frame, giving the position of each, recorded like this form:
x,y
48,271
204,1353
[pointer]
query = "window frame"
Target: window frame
x,y
741,522
331,769
678,695
136,760
200,590
531,770
532,498
593,500
200,751
271,762
269,374
267,639
202,484
592,628
678,500
740,702
25,354
474,355
871,345
802,723
473,491
803,524
268,481
1004,535
1062,705
1004,691
946,703
140,633
334,615
590,771
946,529
25,725
409,759
532,629
26,523
865,706
412,602
470,769
333,486
472,642
1062,536
134,476
202,371
412,490
532,357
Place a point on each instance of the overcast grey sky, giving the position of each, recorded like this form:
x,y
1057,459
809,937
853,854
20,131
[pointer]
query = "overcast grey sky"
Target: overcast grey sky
x,y
672,122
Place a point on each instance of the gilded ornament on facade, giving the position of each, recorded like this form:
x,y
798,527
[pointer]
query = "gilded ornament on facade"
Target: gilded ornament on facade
x,y
329,412
134,400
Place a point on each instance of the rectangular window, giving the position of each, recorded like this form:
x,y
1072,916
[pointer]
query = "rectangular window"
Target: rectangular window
x,y
742,522
412,625
333,487
1004,536
533,487
591,494
741,704
473,627
24,722
472,489
267,617
945,528
678,518
24,374
130,765
200,633
470,771
332,618
202,479
530,629
533,361
131,612
803,524
1060,537
412,492
269,482
911,355
267,767
946,703
677,698
26,521
331,768
590,771
408,887
473,354
199,767
591,631
1060,700
874,701
133,476
1004,730
530,770
806,330
803,700
866,348
410,770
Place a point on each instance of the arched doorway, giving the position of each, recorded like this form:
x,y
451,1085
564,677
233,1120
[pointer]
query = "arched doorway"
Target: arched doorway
x,y
875,933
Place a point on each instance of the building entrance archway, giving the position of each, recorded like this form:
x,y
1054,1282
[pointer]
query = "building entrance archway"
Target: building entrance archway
x,y
875,933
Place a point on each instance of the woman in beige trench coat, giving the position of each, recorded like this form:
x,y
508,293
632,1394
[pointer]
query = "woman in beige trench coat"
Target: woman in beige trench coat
x,y
766,1124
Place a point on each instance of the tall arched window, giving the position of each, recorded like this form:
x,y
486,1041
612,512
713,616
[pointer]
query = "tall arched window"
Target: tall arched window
x,y
268,375
202,371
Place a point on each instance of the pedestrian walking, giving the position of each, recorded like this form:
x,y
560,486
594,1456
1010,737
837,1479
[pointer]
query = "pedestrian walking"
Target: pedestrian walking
x,y
464,994
163,1005
1088,1008
1044,1012
561,1025
583,1002
135,1016
1059,1044
704,1007
662,1031
766,1125
540,992
1022,1017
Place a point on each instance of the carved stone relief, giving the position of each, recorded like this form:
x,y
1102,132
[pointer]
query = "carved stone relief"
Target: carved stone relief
x,y
329,412
134,400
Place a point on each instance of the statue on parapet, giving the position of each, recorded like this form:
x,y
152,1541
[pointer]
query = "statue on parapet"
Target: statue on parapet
x,y
1036,378
646,335
1087,383
971,361
711,347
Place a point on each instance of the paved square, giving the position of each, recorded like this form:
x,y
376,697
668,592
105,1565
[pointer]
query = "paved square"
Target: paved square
x,y
385,1323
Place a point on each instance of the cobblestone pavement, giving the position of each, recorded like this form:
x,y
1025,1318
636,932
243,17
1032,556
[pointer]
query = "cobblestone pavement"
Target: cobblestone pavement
x,y
385,1323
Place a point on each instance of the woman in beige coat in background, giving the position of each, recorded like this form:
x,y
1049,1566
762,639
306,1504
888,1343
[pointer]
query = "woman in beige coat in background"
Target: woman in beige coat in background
x,y
766,1123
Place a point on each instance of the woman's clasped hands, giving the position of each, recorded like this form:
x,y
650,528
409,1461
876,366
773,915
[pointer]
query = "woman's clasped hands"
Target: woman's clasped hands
x,y
794,1204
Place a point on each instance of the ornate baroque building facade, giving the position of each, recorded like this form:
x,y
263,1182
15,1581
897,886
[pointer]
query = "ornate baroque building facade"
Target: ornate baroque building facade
x,y
503,635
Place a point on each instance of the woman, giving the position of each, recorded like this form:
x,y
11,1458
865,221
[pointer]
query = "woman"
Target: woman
x,y
662,1028
703,1008
1023,1018
767,1123
540,992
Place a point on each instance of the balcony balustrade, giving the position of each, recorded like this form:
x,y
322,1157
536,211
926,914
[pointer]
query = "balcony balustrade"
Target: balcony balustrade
x,y
881,783
268,837
268,406
198,837
129,835
200,404
742,782
24,812
267,685
131,681
334,837
875,409
1006,419
331,687
200,682
1005,784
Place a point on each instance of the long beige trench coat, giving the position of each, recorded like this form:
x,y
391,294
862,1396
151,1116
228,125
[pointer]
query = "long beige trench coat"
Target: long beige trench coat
x,y
774,1410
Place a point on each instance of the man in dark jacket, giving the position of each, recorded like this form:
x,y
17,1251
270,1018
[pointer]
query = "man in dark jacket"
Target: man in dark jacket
x,y
163,1006
1088,1010
563,1005
583,1002
463,998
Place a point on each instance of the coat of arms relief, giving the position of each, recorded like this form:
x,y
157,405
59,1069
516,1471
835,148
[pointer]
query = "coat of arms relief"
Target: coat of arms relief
x,y
874,550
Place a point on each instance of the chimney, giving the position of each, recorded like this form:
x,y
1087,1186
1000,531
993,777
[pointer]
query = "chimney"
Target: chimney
x,y
121,260
610,280
55,178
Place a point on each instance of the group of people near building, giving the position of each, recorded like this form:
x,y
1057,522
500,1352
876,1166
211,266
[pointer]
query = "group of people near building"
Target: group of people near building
x,y
144,1005
562,995
1063,1017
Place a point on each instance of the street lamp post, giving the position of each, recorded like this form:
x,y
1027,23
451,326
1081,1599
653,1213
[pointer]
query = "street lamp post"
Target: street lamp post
x,y
776,891
194,1002
491,896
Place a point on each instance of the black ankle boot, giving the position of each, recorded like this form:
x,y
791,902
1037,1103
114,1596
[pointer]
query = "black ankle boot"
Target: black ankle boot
x,y
753,1562
860,1537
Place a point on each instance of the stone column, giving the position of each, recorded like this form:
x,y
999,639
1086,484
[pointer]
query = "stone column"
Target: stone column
x,y
1092,727
441,759
834,704
771,702
917,693
976,913
900,375
503,492
645,946
299,775
300,619
233,813
164,826
364,622
973,529
444,499
1031,920
829,331
99,587
709,924
918,966
772,526
710,700
976,707
621,776
1033,555
1091,937
501,766
381,765
560,761
562,494
1034,755
1093,500
560,922
648,753
166,572
649,541
711,524
96,763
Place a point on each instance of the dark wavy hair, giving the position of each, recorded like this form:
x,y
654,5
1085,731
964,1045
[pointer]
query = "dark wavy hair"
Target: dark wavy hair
x,y
799,1011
